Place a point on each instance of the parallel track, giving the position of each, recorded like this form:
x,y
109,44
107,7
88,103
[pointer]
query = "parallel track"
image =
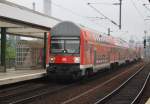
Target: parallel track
x,y
102,89
28,91
130,91
28,99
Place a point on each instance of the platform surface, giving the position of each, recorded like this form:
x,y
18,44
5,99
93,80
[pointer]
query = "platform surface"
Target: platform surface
x,y
148,102
20,75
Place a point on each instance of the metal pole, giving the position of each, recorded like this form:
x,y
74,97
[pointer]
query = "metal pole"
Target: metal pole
x,y
3,49
120,14
108,31
33,4
145,49
45,45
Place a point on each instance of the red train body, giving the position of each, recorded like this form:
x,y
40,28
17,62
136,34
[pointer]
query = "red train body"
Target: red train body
x,y
76,51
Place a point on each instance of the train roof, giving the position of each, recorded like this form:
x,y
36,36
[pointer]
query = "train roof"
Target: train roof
x,y
67,28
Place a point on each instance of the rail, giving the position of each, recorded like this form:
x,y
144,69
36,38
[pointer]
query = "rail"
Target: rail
x,y
116,91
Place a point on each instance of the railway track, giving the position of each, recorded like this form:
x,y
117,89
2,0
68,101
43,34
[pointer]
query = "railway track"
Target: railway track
x,y
104,89
25,92
130,91
83,93
67,94
39,95
12,87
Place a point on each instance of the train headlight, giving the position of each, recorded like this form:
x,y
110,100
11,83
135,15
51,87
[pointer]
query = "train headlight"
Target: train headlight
x,y
77,59
52,59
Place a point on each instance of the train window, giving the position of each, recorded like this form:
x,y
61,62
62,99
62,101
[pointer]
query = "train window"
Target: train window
x,y
57,46
72,46
65,46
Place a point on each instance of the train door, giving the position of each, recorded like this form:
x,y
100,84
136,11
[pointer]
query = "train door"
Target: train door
x,y
91,54
95,60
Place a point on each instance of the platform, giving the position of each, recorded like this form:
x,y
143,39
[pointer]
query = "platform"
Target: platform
x,y
148,102
20,75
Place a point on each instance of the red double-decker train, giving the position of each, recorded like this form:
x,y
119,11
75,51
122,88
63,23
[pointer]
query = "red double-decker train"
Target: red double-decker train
x,y
76,51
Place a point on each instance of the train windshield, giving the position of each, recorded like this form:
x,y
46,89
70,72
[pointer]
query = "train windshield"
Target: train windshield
x,y
65,46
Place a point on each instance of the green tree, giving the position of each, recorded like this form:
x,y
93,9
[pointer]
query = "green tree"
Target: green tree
x,y
10,51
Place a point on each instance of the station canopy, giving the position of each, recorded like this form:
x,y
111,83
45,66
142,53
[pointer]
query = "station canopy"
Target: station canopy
x,y
22,21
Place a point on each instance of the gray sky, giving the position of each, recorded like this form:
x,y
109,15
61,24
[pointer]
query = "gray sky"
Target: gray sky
x,y
133,24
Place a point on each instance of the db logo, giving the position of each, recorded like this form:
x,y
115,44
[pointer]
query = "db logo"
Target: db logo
x,y
64,59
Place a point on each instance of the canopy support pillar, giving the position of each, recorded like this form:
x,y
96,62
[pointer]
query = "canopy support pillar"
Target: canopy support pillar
x,y
3,50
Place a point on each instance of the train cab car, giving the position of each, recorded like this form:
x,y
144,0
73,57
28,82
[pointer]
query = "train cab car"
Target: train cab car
x,y
65,49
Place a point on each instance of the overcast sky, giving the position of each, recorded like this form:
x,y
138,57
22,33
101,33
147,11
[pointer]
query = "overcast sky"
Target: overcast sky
x,y
133,15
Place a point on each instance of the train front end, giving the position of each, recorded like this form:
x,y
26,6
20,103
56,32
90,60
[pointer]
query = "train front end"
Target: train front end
x,y
64,58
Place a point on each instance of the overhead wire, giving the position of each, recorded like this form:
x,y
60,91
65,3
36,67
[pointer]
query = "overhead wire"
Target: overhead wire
x,y
104,3
74,13
99,12
138,11
140,14
66,9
